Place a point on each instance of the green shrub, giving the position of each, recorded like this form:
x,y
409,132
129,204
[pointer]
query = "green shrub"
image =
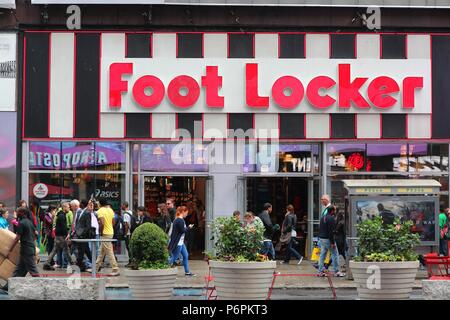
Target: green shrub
x,y
236,243
148,247
393,242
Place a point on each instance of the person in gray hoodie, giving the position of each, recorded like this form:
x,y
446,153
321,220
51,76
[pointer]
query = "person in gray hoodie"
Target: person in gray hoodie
x,y
267,248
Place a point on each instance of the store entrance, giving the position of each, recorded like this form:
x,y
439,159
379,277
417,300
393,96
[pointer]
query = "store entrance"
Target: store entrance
x,y
187,191
280,192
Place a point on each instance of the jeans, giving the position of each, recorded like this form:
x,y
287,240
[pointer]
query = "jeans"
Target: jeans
x,y
176,252
290,249
443,247
50,245
95,246
325,245
268,249
83,249
60,244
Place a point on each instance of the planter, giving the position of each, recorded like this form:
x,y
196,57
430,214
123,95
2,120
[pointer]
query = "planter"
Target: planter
x,y
152,284
396,279
242,280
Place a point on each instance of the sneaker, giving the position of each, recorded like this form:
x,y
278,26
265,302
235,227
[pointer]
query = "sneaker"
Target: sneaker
x,y
115,273
190,274
300,261
339,274
284,262
56,266
69,269
89,270
321,274
48,267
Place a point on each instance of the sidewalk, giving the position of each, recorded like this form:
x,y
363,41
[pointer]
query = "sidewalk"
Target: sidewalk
x,y
200,268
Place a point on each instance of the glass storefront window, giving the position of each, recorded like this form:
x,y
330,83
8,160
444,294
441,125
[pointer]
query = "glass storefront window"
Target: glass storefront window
x,y
166,157
346,157
387,157
45,156
110,156
425,158
294,158
135,156
78,156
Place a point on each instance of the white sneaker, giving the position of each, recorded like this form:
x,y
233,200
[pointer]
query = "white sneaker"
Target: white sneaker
x,y
69,269
300,261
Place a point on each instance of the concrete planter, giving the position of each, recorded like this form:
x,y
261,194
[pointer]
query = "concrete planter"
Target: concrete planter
x,y
395,281
242,280
152,284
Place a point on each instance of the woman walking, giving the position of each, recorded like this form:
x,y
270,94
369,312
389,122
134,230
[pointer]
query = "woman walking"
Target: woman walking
x,y
163,220
288,234
339,235
176,244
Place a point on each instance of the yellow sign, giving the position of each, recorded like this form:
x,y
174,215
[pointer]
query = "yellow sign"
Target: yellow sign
x,y
415,190
373,190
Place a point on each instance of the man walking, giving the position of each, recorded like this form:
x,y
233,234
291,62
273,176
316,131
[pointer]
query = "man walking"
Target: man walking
x,y
267,248
26,233
326,237
83,227
106,224
128,218
60,239
170,203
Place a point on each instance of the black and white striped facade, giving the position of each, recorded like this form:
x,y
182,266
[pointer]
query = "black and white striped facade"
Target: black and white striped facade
x,y
62,84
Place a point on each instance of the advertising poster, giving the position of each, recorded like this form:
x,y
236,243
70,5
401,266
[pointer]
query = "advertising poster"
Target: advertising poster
x,y
7,71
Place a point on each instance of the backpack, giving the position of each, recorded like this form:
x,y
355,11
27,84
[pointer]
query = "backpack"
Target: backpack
x,y
119,229
133,223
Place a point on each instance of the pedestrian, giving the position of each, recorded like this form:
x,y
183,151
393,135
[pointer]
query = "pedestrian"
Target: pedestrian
x,y
340,235
84,230
128,220
443,230
163,220
191,219
176,244
61,260
95,226
23,204
170,203
237,215
26,234
4,224
267,249
327,229
288,234
251,220
50,215
119,230
75,207
106,224
61,236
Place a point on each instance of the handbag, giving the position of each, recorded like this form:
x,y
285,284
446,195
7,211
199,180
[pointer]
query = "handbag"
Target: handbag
x,y
286,237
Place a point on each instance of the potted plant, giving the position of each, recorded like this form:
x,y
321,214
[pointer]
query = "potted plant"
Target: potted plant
x,y
239,271
150,276
386,265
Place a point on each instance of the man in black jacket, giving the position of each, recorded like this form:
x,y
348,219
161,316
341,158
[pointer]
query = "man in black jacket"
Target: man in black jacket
x,y
326,237
83,231
61,233
267,248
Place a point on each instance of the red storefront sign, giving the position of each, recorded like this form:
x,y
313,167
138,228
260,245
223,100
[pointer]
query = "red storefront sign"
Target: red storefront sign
x,y
287,92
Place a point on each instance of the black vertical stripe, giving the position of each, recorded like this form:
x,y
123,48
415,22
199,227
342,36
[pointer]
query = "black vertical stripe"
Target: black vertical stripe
x,y
190,45
20,66
441,80
292,125
393,126
139,45
343,126
137,125
239,121
343,46
187,121
292,46
87,72
241,45
36,85
393,46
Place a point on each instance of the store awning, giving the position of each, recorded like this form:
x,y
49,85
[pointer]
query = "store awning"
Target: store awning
x,y
392,186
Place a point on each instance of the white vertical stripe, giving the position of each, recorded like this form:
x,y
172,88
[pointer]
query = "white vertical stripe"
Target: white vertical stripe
x,y
215,125
61,85
368,46
266,125
112,124
368,126
317,126
266,45
419,126
164,45
163,125
418,46
317,46
215,45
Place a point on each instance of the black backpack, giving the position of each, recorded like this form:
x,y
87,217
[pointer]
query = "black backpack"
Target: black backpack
x,y
133,223
119,229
